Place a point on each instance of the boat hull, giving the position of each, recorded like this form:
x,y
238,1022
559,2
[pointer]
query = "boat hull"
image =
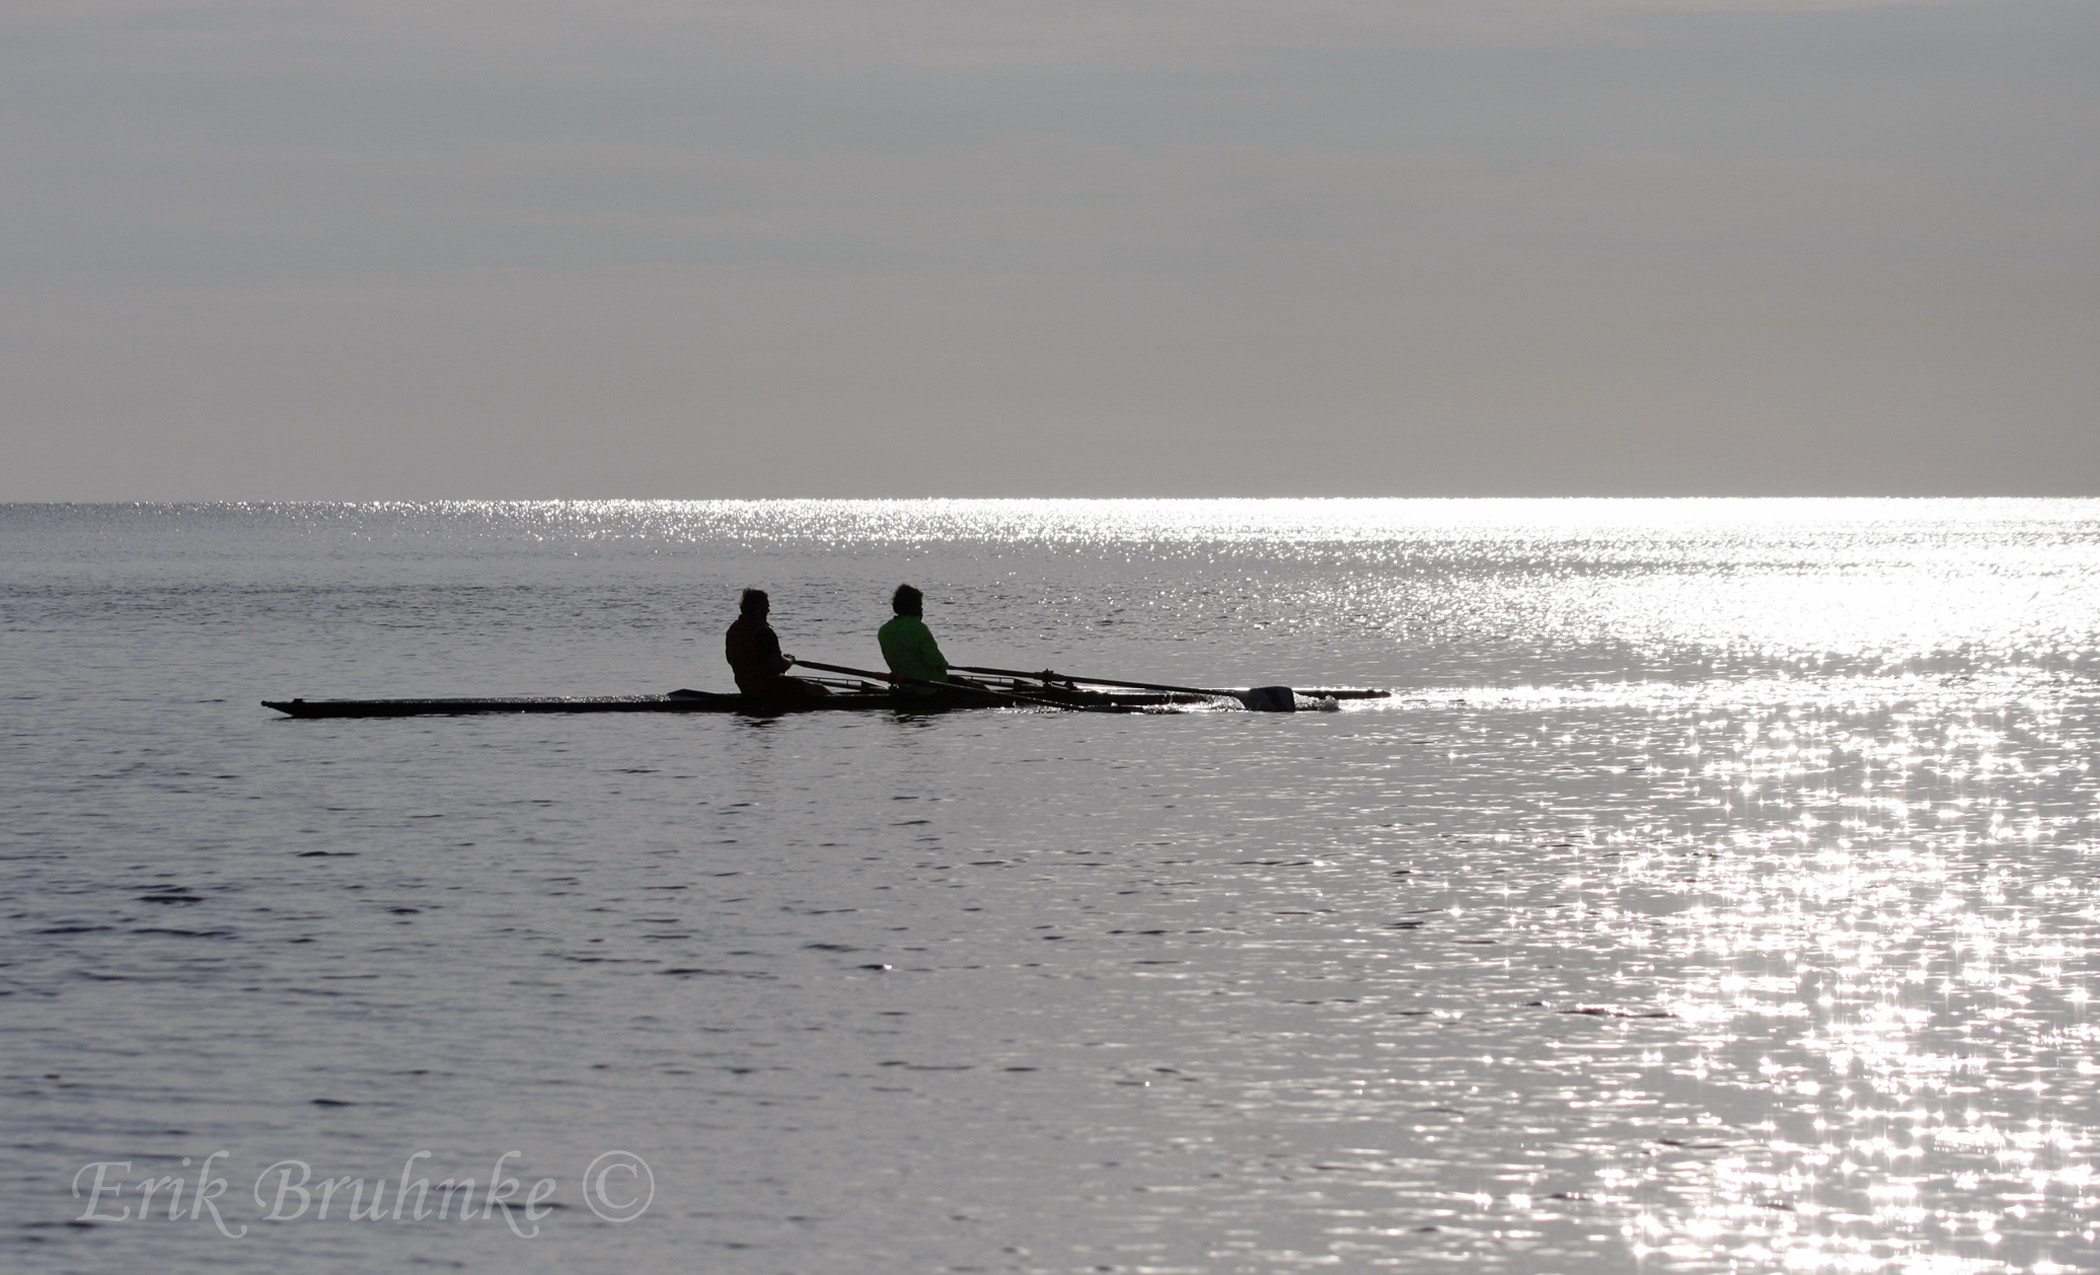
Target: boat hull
x,y
708,702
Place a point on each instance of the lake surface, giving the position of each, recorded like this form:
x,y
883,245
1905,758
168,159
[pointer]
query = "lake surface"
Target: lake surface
x,y
1718,891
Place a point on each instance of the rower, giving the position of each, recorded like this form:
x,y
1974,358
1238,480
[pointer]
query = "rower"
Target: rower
x,y
908,646
754,654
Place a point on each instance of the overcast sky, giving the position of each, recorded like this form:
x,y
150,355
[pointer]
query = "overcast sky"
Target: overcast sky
x,y
262,249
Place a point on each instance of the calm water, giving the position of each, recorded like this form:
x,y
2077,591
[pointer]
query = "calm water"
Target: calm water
x,y
1718,891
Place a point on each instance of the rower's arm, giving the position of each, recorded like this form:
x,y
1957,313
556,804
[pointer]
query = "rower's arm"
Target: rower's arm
x,y
769,643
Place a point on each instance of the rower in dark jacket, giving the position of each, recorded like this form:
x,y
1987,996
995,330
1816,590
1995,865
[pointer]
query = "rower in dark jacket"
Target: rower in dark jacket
x,y
755,656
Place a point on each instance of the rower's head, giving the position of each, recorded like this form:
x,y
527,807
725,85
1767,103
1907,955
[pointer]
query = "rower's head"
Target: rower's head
x,y
908,601
755,602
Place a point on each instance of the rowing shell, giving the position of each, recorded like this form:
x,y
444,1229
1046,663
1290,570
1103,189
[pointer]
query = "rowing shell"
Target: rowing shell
x,y
708,702
1067,697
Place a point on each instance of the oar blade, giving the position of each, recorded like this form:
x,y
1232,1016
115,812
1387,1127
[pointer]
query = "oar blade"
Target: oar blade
x,y
1268,699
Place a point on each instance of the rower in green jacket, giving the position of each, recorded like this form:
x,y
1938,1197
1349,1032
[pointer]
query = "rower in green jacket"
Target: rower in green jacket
x,y
907,646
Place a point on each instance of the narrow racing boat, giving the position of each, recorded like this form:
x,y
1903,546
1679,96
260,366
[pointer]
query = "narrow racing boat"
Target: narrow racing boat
x,y
709,702
989,688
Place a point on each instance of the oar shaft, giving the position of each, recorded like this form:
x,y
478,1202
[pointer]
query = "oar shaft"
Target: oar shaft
x,y
932,685
870,673
1048,675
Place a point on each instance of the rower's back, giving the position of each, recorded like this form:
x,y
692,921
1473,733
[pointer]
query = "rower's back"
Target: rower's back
x,y
907,644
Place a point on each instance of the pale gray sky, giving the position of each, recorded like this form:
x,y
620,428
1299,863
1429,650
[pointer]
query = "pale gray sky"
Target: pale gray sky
x,y
264,249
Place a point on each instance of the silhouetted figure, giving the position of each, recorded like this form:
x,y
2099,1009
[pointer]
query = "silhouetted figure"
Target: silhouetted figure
x,y
755,657
907,645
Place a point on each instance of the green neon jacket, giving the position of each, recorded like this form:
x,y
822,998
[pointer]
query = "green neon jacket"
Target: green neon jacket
x,y
909,649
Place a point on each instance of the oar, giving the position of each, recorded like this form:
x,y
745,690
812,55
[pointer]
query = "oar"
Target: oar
x,y
839,682
959,686
1261,699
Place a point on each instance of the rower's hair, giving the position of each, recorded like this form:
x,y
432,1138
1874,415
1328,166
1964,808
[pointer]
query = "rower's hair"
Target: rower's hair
x,y
755,602
907,601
